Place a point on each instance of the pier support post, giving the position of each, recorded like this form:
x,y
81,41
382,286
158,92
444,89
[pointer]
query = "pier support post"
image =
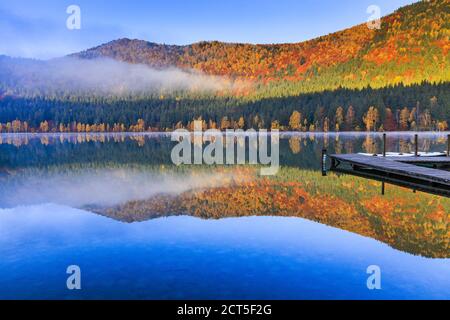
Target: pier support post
x,y
448,145
416,145
324,162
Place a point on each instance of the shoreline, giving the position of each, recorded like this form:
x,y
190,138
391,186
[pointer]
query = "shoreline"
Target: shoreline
x,y
237,133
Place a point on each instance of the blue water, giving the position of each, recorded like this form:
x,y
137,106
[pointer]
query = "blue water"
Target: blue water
x,y
189,258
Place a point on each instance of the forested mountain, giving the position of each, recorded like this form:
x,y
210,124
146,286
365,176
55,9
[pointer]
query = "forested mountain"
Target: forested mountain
x,y
411,46
393,78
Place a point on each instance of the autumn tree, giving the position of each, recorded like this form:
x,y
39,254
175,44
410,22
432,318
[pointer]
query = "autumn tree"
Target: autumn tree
x,y
442,125
179,125
241,123
339,118
43,127
412,119
305,124
16,124
140,126
275,125
326,124
425,120
258,122
225,123
295,121
212,124
403,119
389,123
371,119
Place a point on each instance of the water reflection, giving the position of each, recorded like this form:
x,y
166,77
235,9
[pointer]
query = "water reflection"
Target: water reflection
x,y
188,258
297,149
129,177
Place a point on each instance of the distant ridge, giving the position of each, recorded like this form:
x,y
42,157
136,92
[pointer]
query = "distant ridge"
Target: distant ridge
x,y
411,46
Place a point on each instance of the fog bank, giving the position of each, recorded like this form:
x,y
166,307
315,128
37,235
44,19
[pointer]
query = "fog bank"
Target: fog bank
x,y
102,76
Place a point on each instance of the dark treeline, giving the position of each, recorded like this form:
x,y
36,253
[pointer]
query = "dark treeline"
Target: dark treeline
x,y
417,107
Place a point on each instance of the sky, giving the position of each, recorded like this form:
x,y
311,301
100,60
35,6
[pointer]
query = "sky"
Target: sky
x,y
37,28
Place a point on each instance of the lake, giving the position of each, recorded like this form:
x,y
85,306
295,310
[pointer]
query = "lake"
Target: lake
x,y
140,227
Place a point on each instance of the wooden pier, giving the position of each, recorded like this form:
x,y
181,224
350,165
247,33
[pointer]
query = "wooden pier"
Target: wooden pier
x,y
412,172
418,172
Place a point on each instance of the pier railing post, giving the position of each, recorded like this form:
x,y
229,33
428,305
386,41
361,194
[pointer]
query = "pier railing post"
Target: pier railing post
x,y
384,144
416,145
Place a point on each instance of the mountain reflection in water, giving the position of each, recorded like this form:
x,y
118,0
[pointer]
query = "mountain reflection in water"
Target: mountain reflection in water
x,y
129,177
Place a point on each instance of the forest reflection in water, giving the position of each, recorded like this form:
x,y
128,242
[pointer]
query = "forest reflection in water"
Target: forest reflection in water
x,y
129,177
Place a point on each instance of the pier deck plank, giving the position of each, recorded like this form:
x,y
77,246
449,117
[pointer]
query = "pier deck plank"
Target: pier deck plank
x,y
423,160
398,166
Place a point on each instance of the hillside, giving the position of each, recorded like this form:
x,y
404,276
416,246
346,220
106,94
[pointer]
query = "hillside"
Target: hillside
x,y
394,78
411,46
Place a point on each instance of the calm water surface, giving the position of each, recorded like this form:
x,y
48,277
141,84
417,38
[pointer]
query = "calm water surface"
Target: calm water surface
x,y
140,227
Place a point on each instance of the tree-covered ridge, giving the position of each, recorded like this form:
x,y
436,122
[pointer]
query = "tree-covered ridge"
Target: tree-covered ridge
x,y
417,107
411,46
